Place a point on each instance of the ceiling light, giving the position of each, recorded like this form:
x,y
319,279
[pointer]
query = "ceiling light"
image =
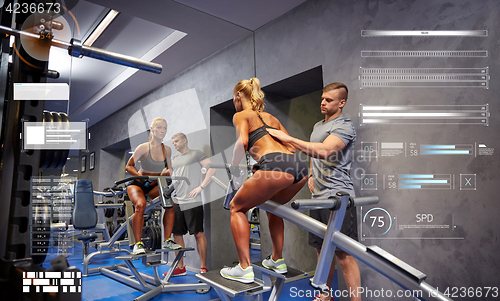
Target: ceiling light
x,y
110,16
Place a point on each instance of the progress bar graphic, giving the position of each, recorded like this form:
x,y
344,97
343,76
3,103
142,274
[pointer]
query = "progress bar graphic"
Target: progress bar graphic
x,y
423,78
425,114
425,181
446,149
424,33
425,53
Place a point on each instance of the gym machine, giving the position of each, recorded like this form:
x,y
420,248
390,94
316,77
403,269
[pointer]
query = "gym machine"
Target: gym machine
x,y
383,262
150,285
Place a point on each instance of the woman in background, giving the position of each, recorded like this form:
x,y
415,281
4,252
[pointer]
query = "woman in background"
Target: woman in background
x,y
155,160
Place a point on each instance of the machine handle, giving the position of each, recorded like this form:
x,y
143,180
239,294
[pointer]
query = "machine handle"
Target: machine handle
x,y
207,166
109,193
333,203
316,204
219,182
364,200
151,178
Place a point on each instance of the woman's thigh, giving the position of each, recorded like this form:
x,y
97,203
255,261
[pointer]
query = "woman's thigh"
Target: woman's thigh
x,y
285,195
136,195
260,187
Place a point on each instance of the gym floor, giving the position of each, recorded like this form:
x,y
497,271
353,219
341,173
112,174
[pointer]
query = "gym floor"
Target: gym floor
x,y
100,287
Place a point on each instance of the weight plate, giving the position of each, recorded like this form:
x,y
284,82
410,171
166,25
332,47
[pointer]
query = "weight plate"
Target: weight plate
x,y
158,237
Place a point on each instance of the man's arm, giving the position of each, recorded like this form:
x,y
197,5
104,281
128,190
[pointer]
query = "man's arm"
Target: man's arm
x,y
208,175
289,146
327,148
206,181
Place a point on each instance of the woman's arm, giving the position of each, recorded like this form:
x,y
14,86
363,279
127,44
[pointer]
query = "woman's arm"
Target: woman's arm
x,y
136,156
169,171
241,125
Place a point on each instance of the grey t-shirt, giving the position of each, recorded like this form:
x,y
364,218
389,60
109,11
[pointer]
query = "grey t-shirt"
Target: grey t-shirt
x,y
333,174
188,165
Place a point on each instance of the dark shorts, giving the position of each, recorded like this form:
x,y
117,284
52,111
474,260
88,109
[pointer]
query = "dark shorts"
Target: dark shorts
x,y
349,225
143,184
190,219
289,163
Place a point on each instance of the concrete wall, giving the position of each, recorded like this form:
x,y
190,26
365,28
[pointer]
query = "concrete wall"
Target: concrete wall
x,y
328,34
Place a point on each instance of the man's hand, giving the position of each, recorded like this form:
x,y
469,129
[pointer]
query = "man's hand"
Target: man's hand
x,y
282,136
195,192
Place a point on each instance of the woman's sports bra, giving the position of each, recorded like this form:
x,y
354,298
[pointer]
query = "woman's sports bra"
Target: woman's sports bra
x,y
151,165
258,133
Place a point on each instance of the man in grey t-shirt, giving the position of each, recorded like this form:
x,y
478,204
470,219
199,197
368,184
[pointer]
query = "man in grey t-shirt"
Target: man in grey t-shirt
x,y
187,198
331,150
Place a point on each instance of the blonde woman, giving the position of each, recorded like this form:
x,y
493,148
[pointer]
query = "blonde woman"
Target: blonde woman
x,y
155,160
281,175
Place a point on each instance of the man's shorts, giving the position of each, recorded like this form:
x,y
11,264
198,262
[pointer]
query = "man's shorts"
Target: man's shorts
x,y
188,220
349,225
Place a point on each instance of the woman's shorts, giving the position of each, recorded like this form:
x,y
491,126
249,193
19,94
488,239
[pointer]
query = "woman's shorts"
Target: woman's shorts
x,y
289,163
145,185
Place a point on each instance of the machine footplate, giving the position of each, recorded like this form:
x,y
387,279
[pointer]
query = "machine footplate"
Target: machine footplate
x,y
230,287
172,250
291,273
134,257
139,256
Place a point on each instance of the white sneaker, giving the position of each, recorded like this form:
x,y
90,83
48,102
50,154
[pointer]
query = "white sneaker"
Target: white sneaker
x,y
238,273
139,248
170,244
279,266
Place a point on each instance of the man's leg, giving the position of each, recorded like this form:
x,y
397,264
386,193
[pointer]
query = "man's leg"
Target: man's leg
x,y
201,245
351,272
179,239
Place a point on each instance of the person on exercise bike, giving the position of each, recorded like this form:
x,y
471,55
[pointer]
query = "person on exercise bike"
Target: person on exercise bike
x,y
281,175
155,160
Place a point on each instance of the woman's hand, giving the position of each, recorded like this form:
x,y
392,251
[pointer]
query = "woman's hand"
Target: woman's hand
x,y
310,184
238,180
166,172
